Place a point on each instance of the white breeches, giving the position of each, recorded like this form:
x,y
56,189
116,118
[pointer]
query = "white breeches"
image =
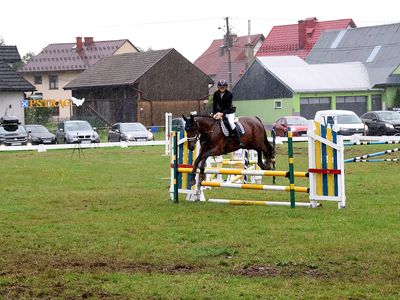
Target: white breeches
x,y
231,118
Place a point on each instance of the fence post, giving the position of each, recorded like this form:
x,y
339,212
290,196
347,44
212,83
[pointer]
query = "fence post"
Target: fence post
x,y
291,170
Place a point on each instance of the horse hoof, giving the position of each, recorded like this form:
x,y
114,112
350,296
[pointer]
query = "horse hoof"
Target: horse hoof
x,y
192,181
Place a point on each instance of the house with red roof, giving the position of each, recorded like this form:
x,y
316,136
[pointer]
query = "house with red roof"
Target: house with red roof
x,y
298,39
214,61
58,64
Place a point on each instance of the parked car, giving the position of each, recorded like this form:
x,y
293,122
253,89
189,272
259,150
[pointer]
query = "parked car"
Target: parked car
x,y
38,134
348,122
12,133
129,132
297,124
382,122
178,124
69,132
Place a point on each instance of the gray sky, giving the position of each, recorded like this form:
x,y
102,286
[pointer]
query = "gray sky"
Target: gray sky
x,y
188,26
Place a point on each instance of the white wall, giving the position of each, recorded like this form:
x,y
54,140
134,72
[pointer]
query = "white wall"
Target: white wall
x,y
10,105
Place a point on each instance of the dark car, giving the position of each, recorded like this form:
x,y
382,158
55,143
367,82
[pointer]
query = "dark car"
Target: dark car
x,y
382,122
297,124
178,124
129,132
38,134
76,131
12,133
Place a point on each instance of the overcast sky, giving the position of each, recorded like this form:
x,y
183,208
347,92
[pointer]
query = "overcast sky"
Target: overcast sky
x,y
188,26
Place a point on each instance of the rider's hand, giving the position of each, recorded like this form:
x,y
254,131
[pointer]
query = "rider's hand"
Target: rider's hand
x,y
218,116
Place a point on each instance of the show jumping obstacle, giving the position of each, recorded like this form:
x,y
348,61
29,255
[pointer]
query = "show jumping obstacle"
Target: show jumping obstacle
x,y
365,158
325,173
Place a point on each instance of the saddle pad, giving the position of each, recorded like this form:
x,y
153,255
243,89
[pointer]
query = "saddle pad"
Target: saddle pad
x,y
226,131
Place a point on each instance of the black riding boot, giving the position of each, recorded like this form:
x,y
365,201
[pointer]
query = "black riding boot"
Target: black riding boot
x,y
237,135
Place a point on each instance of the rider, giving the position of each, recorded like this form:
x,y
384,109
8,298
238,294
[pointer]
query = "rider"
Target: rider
x,y
222,106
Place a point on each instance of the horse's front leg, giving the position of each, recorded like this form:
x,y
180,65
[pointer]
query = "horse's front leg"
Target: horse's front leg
x,y
195,166
202,164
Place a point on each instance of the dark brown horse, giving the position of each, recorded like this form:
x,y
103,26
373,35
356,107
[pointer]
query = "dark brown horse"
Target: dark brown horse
x,y
213,142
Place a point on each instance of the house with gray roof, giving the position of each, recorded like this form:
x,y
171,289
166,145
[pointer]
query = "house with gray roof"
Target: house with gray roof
x,y
59,63
277,86
377,47
12,84
140,87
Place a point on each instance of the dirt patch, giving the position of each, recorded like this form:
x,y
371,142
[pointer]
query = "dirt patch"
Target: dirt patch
x,y
125,267
281,270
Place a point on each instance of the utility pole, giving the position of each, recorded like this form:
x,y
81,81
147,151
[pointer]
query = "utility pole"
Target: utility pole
x,y
228,44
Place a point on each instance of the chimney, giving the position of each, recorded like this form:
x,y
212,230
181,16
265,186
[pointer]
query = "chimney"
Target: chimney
x,y
301,34
249,46
310,22
78,43
88,41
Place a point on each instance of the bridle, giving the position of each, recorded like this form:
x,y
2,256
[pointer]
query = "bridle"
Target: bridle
x,y
196,137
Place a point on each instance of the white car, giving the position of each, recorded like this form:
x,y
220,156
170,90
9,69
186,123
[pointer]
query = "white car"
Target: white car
x,y
347,121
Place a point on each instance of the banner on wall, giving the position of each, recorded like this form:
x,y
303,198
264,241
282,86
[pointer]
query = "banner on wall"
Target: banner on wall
x,y
51,103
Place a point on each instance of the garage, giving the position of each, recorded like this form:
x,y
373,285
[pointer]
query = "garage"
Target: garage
x,y
357,104
309,106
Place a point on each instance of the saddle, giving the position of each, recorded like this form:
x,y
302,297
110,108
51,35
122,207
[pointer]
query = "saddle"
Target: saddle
x,y
226,128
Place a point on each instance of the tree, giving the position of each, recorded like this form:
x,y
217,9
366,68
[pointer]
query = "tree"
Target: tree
x,y
18,65
36,115
2,41
396,101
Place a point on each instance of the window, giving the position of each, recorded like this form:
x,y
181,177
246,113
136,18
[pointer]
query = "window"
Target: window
x,y
53,80
278,104
38,79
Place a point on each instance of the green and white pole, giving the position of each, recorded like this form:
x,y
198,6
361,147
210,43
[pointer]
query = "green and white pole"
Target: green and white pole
x,y
291,170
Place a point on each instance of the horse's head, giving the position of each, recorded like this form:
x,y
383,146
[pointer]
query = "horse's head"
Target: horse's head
x,y
192,131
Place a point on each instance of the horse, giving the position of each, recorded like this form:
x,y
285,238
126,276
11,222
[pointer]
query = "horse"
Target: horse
x,y
213,141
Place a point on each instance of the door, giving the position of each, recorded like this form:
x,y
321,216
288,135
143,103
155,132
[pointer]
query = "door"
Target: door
x,y
309,106
357,104
114,133
376,102
60,133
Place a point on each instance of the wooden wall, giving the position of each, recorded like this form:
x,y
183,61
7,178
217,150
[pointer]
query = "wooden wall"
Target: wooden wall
x,y
153,112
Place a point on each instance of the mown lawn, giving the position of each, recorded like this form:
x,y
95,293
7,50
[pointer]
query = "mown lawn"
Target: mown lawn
x,y
102,226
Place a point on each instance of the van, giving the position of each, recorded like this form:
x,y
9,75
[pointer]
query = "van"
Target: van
x,y
12,133
347,121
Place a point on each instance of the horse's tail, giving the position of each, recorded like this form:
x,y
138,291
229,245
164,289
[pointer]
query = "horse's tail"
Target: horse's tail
x,y
266,142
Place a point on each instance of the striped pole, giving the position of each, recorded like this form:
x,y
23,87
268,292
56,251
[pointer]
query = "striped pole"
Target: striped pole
x,y
274,161
254,186
357,158
291,170
372,143
246,163
228,171
176,194
378,160
255,202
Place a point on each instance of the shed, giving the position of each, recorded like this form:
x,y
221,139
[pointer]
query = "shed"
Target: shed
x,y
275,86
140,87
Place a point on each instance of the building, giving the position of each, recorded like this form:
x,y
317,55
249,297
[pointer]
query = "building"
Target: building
x,y
377,47
214,61
140,87
276,86
12,84
298,39
58,64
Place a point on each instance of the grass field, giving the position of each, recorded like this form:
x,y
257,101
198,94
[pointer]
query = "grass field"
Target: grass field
x,y
102,226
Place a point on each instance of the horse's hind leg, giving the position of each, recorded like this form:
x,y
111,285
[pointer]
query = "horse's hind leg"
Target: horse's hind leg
x,y
260,162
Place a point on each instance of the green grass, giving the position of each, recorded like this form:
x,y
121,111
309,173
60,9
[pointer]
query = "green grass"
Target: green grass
x,y
103,227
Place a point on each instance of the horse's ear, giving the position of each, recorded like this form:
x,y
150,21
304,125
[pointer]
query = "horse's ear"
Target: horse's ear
x,y
184,117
